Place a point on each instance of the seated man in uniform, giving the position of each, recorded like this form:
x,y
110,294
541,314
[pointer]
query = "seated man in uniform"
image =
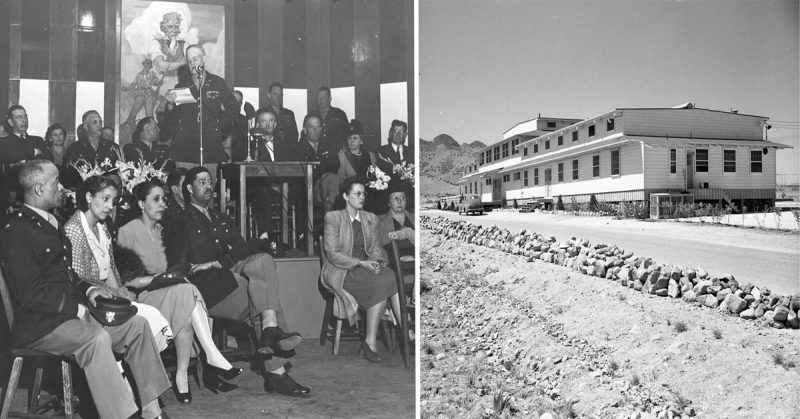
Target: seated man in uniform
x,y
213,241
50,308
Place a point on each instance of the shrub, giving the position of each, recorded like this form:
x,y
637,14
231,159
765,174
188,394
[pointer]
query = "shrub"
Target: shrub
x,y
592,203
438,205
605,208
516,206
560,204
681,327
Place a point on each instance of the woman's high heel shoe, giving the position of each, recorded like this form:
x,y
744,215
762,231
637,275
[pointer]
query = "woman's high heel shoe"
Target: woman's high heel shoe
x,y
183,398
369,354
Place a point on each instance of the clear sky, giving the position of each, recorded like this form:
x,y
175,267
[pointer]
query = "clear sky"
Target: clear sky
x,y
487,65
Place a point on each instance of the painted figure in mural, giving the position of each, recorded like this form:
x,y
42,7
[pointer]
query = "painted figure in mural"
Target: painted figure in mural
x,y
144,90
168,52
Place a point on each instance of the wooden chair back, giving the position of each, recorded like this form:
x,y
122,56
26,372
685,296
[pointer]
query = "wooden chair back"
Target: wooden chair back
x,y
401,293
6,296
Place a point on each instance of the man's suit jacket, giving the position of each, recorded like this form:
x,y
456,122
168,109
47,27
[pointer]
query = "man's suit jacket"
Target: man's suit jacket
x,y
328,159
387,152
35,258
14,149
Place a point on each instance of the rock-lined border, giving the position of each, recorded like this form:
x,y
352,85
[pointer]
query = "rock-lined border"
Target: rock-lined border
x,y
642,274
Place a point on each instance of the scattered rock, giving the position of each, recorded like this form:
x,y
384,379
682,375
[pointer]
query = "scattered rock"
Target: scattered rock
x,y
735,304
748,314
781,314
792,320
710,301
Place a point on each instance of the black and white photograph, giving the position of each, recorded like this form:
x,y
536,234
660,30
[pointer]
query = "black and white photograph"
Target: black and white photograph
x,y
609,209
207,209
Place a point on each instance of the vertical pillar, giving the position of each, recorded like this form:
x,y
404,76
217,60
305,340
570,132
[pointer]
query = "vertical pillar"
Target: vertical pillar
x,y
367,60
5,50
112,59
318,52
63,62
270,51
411,72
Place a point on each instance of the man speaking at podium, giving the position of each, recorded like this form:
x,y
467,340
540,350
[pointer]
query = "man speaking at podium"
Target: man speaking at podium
x,y
198,139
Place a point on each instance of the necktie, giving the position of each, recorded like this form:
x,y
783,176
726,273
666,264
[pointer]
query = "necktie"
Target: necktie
x,y
398,151
205,212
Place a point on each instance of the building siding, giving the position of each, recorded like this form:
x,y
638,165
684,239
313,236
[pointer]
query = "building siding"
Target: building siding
x,y
631,176
697,123
742,178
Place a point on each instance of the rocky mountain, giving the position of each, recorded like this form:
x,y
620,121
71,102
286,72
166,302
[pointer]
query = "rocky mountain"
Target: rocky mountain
x,y
442,162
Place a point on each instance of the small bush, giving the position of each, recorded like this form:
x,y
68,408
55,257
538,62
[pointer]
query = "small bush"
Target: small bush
x,y
592,203
635,380
566,410
502,402
516,206
717,334
780,361
681,327
680,400
560,204
613,367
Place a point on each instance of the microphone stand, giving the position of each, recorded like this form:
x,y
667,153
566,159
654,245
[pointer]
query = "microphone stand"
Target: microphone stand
x,y
201,78
249,158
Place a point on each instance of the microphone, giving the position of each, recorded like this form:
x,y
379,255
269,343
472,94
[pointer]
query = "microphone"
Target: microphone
x,y
200,68
257,132
249,110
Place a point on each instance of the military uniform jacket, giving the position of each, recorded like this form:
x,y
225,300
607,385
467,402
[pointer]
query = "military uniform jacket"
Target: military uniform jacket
x,y
36,260
334,127
82,149
286,129
217,239
219,110
158,155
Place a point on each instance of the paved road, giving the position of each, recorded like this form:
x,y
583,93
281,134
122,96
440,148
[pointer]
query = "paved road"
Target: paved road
x,y
766,259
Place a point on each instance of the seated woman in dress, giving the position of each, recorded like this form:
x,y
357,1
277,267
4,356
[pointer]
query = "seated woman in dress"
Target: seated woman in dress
x,y
356,265
93,260
398,222
353,161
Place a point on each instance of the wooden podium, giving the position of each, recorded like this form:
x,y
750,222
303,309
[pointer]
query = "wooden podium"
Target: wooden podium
x,y
283,169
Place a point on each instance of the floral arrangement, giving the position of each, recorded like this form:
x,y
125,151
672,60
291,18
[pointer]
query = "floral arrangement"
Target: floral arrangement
x,y
130,173
133,174
87,170
405,172
377,179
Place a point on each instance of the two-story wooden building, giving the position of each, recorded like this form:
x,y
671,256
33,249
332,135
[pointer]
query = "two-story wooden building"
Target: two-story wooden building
x,y
629,153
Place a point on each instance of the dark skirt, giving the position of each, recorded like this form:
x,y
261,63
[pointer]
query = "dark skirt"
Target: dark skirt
x,y
214,284
368,288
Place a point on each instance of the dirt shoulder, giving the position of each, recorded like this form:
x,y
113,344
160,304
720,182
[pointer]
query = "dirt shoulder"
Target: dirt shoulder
x,y
559,341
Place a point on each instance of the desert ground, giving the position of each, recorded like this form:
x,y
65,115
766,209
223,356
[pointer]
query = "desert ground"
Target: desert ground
x,y
502,336
765,257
